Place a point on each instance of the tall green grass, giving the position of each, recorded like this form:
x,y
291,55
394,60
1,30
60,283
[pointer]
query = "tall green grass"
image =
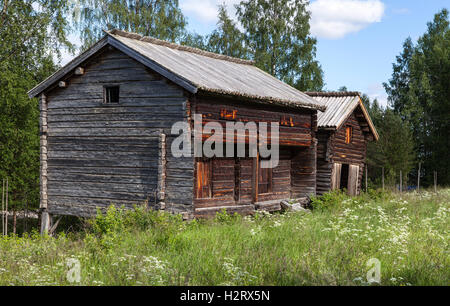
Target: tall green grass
x,y
408,234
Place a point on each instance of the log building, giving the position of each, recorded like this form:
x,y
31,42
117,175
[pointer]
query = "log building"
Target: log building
x,y
345,128
106,131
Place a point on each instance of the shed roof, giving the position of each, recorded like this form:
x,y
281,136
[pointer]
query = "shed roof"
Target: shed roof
x,y
195,70
340,105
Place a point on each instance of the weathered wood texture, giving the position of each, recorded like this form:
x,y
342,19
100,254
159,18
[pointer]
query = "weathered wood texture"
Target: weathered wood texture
x,y
43,127
295,125
332,148
304,172
102,154
234,180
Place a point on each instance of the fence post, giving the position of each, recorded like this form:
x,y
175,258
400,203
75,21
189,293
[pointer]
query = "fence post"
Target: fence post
x,y
366,179
3,207
6,207
418,178
401,182
6,219
382,177
435,181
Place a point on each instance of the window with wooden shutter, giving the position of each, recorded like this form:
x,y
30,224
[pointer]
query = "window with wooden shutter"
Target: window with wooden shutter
x,y
264,180
204,179
348,134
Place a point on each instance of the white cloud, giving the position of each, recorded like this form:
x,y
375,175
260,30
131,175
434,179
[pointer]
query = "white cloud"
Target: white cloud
x,y
377,91
206,10
334,19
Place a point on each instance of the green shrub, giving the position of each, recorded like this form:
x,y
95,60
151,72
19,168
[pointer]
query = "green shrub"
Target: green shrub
x,y
330,199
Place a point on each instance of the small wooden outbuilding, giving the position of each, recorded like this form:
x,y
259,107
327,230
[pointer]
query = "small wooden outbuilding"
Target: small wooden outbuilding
x,y
106,131
345,128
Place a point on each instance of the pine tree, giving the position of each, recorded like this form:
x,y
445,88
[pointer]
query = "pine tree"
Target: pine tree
x,y
419,93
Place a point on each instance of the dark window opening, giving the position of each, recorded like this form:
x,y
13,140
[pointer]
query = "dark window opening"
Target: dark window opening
x,y
111,94
264,180
344,176
204,180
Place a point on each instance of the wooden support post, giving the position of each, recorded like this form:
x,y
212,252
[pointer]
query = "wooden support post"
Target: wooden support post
x,y
401,182
418,178
45,216
46,221
382,177
161,188
255,179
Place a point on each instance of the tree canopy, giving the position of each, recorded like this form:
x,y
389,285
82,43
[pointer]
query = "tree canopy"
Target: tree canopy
x,y
30,32
419,92
159,19
278,35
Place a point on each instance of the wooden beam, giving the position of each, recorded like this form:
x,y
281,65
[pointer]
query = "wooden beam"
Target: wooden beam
x,y
79,71
67,69
255,179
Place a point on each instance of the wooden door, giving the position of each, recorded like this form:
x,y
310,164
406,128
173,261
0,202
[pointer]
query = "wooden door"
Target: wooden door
x,y
353,178
336,176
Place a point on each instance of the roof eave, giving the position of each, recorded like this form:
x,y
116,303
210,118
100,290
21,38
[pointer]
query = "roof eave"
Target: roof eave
x,y
55,77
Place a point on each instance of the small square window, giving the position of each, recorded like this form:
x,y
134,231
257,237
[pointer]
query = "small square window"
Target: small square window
x,y
111,94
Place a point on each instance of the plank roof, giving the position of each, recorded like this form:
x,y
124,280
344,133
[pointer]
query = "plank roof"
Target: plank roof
x,y
340,105
195,70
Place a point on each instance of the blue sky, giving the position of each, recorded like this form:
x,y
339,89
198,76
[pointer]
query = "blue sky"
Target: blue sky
x,y
358,40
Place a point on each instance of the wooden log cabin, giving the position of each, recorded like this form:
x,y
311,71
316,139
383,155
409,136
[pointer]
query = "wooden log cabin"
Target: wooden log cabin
x,y
345,128
106,131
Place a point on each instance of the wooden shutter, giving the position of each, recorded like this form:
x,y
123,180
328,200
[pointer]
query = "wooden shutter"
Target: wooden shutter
x,y
353,176
336,176
264,180
348,134
204,174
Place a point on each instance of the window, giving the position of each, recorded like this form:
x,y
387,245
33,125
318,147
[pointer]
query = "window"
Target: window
x,y
264,180
348,134
111,94
204,178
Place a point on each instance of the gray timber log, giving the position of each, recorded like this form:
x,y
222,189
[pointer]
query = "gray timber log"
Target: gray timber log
x,y
94,155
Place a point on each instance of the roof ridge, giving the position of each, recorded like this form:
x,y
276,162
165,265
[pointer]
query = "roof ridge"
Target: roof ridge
x,y
164,43
333,93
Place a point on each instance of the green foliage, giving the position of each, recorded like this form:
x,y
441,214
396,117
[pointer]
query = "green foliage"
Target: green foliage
x,y
227,39
159,19
278,35
330,199
408,233
35,32
225,217
394,150
419,93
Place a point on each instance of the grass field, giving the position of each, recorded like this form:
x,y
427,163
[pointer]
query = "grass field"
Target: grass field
x,y
408,234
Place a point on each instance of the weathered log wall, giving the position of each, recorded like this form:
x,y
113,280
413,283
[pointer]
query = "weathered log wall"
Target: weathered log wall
x,y
233,179
101,154
332,148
